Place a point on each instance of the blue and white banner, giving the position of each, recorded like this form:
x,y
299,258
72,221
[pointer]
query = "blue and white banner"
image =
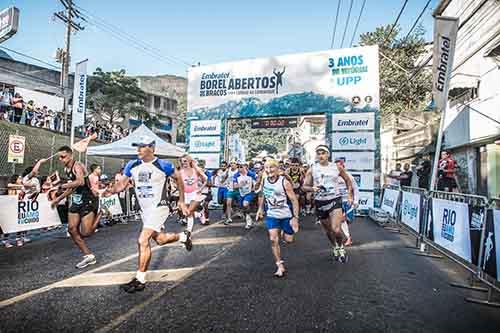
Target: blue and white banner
x,y
111,204
411,205
353,141
205,127
390,201
366,200
204,144
450,227
353,121
79,94
364,180
356,160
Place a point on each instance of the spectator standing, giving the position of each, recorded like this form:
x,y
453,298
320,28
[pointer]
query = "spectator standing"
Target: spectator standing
x,y
406,175
394,175
17,106
57,121
5,99
447,168
424,171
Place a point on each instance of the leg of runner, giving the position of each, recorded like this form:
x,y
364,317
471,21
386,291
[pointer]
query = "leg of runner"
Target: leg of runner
x,y
139,282
74,231
275,247
193,205
89,224
229,210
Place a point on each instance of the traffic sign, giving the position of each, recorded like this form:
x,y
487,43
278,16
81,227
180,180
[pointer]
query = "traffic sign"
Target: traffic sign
x,y
17,147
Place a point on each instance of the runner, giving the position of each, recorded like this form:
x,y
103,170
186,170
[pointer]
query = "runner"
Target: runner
x,y
83,204
322,179
150,176
297,177
277,192
245,183
206,192
231,193
348,209
194,180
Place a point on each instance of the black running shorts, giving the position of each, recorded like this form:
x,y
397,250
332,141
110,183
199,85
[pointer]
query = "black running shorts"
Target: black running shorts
x,y
83,206
325,207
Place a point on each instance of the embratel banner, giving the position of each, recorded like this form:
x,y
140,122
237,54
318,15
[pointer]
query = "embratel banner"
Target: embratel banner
x,y
445,37
390,201
79,94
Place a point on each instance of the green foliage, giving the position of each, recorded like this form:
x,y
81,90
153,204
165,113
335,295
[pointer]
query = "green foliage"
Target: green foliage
x,y
113,95
397,93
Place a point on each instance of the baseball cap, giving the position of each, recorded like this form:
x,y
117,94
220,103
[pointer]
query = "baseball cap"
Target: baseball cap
x,y
322,148
144,141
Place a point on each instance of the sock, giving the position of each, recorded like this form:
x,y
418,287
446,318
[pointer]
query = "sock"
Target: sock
x,y
182,237
141,276
345,229
190,221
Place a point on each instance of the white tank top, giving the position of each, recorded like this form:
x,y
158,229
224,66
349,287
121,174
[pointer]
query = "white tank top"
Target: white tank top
x,y
276,199
327,177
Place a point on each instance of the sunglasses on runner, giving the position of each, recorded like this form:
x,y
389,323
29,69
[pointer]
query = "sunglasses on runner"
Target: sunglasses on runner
x,y
62,157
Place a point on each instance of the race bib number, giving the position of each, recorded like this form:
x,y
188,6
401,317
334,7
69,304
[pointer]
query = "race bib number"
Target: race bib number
x,y
144,191
76,199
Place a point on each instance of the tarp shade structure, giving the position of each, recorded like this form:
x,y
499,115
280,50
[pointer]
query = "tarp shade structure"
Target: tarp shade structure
x,y
123,147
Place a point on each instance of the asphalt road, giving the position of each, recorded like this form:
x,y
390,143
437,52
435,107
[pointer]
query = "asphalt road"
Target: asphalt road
x,y
226,285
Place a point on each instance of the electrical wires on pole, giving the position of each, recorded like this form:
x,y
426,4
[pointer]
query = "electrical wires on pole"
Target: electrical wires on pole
x,y
336,21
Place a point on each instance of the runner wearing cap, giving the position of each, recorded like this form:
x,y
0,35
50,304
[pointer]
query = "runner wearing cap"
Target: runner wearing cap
x,y
244,183
322,180
277,193
347,208
231,194
150,176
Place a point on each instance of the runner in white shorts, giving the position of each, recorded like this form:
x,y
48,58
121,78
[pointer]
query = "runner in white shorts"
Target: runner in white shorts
x,y
150,176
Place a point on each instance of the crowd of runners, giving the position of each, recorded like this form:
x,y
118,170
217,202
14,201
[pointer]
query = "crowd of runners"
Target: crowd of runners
x,y
275,192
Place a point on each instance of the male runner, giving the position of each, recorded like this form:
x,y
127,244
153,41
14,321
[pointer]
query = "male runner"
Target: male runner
x,y
83,204
346,207
231,193
150,176
295,173
322,179
277,192
244,183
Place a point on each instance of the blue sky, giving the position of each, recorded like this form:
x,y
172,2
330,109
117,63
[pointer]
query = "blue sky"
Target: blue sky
x,y
201,31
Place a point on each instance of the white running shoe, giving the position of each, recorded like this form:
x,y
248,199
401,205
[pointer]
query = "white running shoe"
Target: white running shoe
x,y
249,221
342,254
89,259
228,221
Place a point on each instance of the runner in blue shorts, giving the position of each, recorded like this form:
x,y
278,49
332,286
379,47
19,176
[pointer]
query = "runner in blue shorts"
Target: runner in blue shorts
x,y
277,191
244,184
347,208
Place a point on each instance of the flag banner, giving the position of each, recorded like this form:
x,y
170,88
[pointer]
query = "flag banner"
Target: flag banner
x,y
82,145
445,37
79,94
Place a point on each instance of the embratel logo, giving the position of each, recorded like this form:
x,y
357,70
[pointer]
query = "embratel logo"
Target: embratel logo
x,y
223,84
344,141
448,228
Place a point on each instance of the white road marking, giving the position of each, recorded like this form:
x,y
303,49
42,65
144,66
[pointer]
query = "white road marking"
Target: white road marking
x,y
46,288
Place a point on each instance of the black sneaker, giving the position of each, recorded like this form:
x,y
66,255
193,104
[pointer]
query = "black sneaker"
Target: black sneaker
x,y
133,286
188,243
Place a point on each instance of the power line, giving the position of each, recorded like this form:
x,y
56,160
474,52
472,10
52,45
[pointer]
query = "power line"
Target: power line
x,y
335,26
357,22
132,39
395,22
417,20
30,57
347,23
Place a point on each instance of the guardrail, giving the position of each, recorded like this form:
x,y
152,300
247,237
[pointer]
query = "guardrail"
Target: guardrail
x,y
456,225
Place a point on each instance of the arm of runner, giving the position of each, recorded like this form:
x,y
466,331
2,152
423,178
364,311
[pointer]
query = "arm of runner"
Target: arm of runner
x,y
347,180
94,185
36,167
295,205
80,175
308,183
65,194
260,210
118,186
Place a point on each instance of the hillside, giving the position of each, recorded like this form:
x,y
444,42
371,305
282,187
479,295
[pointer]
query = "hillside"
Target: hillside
x,y
167,85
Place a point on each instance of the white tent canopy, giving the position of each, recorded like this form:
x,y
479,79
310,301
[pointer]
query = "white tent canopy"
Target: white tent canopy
x,y
123,147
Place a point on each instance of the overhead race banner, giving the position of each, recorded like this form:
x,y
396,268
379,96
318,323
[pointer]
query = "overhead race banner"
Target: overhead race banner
x,y
445,37
79,94
26,214
450,221
410,210
17,146
390,201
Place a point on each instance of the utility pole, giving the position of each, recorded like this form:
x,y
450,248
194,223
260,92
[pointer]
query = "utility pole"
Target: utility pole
x,y
64,56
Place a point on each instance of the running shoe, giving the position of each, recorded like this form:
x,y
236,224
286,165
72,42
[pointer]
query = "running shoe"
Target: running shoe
x,y
228,221
19,242
26,240
88,259
7,244
343,255
336,253
188,242
203,219
249,222
133,286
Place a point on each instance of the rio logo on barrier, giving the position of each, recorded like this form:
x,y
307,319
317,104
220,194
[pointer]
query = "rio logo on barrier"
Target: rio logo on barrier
x,y
410,210
28,212
388,202
448,228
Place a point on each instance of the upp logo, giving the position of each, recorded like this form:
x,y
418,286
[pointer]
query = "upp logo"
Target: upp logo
x,y
448,228
409,210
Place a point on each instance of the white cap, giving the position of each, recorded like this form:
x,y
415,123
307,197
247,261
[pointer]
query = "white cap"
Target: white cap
x,y
144,141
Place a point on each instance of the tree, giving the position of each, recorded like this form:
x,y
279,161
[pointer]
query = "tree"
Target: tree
x,y
113,95
397,92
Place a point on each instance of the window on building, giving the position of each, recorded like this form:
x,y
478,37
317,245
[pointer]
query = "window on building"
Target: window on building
x,y
317,129
147,102
157,102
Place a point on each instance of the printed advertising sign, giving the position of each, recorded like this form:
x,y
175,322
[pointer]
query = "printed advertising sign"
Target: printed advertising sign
x,y
353,141
17,146
451,227
27,214
295,84
410,210
211,160
356,160
205,127
111,204
390,201
366,200
205,144
491,244
353,121
364,180
79,94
